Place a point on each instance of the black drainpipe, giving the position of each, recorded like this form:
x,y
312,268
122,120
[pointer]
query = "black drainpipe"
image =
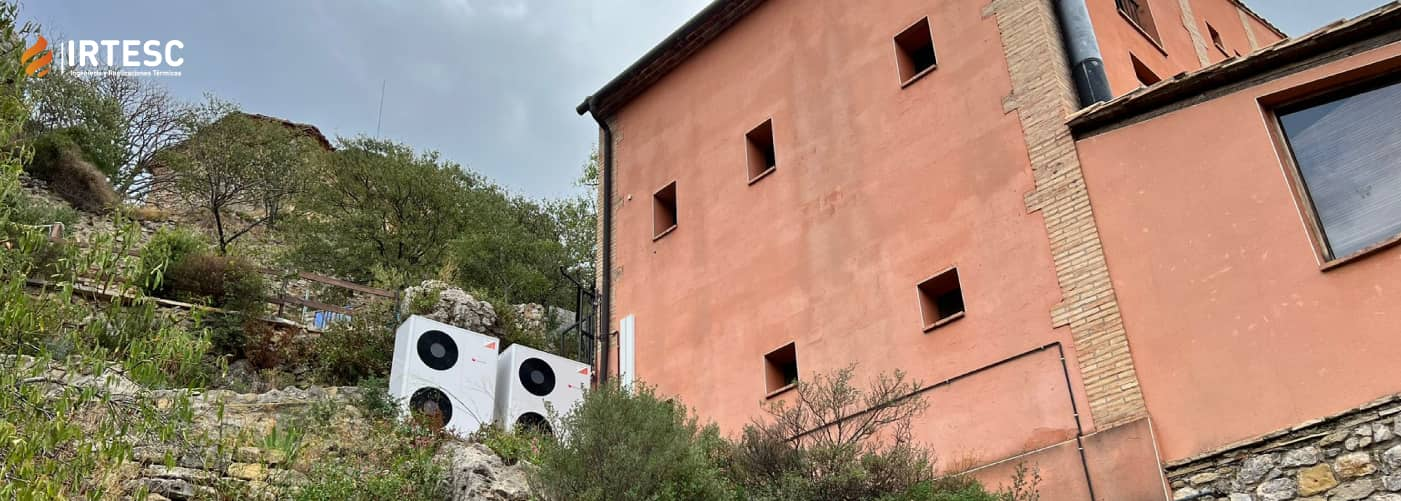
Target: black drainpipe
x,y
1082,48
605,152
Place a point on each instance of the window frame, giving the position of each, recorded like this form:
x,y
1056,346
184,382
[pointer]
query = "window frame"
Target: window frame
x,y
659,233
1153,36
753,173
1312,94
770,366
901,55
928,301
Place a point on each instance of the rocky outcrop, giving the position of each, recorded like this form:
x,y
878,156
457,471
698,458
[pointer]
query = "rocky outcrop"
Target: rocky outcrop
x,y
450,305
1351,456
476,473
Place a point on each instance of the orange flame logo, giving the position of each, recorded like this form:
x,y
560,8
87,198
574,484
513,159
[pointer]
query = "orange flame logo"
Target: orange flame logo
x,y
40,65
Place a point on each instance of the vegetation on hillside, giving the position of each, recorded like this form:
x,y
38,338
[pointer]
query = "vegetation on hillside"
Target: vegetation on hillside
x,y
837,442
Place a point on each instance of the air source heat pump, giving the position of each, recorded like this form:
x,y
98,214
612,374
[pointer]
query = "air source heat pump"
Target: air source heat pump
x,y
444,374
530,383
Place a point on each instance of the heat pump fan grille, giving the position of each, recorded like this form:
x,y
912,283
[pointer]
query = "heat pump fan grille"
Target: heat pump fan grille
x,y
535,423
432,406
437,350
537,377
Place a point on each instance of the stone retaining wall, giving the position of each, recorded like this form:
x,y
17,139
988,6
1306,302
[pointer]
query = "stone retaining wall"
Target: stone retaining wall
x,y
1351,456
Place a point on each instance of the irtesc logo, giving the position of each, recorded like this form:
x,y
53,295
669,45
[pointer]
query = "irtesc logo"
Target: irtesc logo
x,y
127,57
37,66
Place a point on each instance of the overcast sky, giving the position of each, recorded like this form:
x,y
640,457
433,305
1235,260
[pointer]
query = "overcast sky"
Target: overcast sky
x,y
492,84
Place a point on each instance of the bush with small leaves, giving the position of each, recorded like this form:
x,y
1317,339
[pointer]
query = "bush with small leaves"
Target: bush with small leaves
x,y
168,246
630,444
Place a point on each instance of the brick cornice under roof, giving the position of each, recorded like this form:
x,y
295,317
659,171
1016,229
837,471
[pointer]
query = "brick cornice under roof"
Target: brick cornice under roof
x,y
1201,84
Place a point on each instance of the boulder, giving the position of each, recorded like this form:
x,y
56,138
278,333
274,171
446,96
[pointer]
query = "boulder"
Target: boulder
x,y
453,306
476,473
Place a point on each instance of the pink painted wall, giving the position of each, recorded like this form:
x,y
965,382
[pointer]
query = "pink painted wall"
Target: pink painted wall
x,y
877,188
1233,327
1176,53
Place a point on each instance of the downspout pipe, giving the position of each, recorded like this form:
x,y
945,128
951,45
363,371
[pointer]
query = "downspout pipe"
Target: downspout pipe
x,y
606,245
1082,48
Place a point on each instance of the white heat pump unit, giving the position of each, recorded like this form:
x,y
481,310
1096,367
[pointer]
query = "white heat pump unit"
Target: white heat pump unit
x,y
444,374
530,383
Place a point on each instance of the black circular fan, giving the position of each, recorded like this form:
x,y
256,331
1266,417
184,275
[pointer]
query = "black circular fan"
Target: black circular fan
x,y
437,350
431,405
533,422
537,377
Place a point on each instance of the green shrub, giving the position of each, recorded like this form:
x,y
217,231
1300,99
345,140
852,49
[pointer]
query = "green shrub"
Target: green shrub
x,y
624,445
394,461
376,400
32,210
167,247
60,161
511,446
231,283
353,350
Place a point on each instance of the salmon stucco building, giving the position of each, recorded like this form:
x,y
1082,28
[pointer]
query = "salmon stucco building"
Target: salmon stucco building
x,y
1144,245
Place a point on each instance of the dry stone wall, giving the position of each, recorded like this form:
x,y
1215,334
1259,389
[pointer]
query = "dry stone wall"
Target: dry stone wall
x,y
1348,457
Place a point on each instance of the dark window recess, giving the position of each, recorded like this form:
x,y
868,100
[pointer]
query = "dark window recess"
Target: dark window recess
x,y
1138,12
1216,40
941,299
762,157
781,368
664,210
914,49
1347,147
1145,75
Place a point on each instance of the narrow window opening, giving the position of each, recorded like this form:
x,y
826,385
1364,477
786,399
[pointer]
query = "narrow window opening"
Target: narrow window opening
x,y
1216,40
664,211
1145,75
941,299
781,369
914,49
762,157
1137,12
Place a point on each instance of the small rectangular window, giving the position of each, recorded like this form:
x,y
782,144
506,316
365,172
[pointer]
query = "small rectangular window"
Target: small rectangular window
x,y
762,157
941,299
1347,149
1146,77
1137,12
664,211
914,51
781,369
1216,40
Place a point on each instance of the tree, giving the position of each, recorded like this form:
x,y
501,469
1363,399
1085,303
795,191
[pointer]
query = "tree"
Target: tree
x,y
123,121
236,161
378,204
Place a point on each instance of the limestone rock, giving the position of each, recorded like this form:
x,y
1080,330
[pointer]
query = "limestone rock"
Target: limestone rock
x,y
454,306
1254,469
1316,479
1392,457
1307,456
1385,497
1203,478
248,471
256,455
475,473
1241,497
1353,465
1392,482
1353,491
1278,489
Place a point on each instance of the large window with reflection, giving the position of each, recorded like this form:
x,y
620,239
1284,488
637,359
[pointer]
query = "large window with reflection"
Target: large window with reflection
x,y
1347,148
